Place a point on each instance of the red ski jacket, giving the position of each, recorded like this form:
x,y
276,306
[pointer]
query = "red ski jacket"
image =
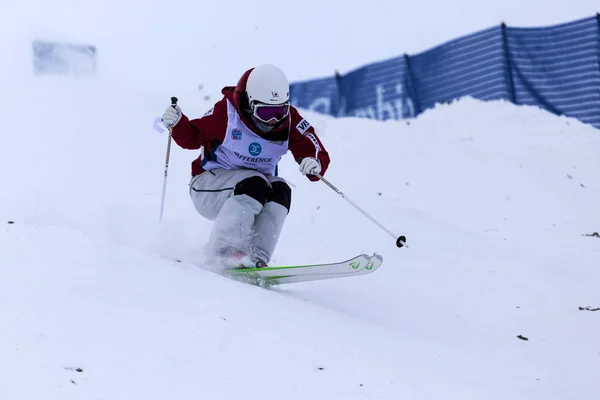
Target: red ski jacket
x,y
210,130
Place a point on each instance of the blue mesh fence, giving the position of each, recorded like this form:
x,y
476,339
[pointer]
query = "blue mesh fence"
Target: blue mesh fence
x,y
556,68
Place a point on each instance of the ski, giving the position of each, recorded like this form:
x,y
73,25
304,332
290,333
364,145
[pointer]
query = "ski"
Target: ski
x,y
278,275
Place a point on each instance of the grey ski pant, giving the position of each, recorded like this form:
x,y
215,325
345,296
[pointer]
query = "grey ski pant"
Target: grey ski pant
x,y
240,221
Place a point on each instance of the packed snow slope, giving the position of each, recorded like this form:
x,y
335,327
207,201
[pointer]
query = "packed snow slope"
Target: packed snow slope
x,y
495,200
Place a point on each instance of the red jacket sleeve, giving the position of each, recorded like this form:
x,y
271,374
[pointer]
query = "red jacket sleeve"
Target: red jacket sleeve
x,y
304,142
195,133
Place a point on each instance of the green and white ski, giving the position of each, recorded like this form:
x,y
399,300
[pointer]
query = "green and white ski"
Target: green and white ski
x,y
278,275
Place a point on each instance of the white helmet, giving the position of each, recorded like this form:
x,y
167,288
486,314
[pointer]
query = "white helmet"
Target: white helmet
x,y
267,84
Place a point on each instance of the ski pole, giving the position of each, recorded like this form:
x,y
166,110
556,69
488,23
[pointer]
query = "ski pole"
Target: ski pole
x,y
164,190
400,240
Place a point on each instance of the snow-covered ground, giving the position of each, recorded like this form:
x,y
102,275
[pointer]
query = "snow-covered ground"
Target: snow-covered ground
x,y
494,199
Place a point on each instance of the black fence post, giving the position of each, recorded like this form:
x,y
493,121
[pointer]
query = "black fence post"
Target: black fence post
x,y
338,84
508,65
598,21
414,93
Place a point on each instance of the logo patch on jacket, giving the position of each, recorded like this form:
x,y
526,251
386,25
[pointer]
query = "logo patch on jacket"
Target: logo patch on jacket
x,y
236,134
303,126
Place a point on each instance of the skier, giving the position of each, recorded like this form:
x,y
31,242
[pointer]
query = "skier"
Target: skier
x,y
235,182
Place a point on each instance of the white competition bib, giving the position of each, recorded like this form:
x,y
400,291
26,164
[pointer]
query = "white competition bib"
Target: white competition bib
x,y
243,148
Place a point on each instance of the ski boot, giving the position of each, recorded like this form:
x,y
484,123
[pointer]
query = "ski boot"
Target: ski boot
x,y
233,258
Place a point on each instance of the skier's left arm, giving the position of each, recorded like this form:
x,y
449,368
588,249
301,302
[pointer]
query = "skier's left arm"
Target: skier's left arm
x,y
306,147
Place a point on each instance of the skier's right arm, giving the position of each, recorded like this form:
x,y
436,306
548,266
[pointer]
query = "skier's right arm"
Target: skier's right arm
x,y
192,134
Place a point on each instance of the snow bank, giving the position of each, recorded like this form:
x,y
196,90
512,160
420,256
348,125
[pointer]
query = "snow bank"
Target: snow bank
x,y
494,199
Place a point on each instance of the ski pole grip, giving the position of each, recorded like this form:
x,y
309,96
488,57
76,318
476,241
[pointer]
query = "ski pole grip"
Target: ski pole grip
x,y
174,101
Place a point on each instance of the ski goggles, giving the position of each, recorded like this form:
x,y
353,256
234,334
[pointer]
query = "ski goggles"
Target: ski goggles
x,y
267,112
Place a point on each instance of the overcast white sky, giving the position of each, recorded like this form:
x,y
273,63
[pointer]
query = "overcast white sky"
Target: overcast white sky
x,y
177,43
